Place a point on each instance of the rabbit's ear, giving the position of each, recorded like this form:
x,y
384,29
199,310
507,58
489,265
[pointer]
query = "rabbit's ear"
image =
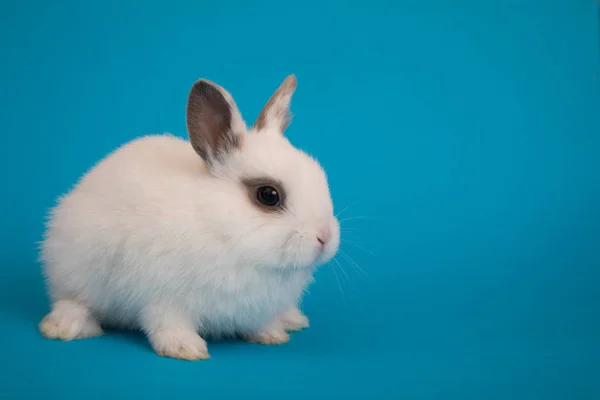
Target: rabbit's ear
x,y
276,115
215,126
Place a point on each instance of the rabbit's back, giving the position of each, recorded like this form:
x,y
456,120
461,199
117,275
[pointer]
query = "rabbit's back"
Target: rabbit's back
x,y
106,237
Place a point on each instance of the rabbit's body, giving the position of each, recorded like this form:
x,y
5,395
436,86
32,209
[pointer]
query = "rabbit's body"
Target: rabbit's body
x,y
218,236
114,250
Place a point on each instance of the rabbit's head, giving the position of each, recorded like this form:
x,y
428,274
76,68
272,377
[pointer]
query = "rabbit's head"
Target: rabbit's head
x,y
274,200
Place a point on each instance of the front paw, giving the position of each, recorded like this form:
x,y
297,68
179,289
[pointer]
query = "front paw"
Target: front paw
x,y
270,336
293,320
180,344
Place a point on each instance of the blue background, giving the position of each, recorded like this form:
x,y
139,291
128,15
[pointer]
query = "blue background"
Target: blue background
x,y
465,135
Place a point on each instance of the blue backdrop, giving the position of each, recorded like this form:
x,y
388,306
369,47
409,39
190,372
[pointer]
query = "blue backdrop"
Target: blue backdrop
x,y
464,136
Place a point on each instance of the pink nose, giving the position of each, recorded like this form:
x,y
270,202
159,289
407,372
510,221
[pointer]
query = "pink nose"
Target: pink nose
x,y
324,235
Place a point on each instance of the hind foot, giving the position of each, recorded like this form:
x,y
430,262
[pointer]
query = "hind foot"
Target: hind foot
x,y
69,320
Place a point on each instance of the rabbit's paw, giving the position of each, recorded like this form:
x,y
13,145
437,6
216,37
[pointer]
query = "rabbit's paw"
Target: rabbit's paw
x,y
179,343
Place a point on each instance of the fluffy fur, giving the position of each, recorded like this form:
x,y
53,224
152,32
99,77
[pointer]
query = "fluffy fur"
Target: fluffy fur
x,y
156,238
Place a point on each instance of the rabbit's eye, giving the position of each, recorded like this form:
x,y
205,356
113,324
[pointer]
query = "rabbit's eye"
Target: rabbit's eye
x,y
265,193
268,196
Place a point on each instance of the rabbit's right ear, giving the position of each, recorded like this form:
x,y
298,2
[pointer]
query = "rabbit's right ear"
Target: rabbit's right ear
x,y
276,115
215,126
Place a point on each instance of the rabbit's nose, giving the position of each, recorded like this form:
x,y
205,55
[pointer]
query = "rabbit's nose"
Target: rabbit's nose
x,y
324,235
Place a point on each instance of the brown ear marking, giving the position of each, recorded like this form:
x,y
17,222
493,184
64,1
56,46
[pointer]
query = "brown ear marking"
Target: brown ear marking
x,y
276,112
209,117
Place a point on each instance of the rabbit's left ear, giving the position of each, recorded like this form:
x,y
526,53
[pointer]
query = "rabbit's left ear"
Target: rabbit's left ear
x,y
215,125
276,115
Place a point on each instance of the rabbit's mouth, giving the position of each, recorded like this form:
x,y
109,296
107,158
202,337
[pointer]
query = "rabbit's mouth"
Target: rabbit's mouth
x,y
326,253
303,251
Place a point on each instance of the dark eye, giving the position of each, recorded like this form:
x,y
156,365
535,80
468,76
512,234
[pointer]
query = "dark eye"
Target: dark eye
x,y
268,196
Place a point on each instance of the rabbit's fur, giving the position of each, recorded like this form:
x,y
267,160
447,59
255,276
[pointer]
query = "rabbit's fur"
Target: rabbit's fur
x,y
168,236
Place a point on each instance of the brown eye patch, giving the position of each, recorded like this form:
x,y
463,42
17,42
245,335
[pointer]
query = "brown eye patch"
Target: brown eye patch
x,y
265,193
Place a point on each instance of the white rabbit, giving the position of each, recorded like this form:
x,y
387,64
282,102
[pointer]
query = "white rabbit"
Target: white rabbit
x,y
214,237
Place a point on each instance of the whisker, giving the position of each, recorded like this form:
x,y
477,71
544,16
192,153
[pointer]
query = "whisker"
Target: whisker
x,y
357,246
341,268
339,285
357,217
352,262
345,208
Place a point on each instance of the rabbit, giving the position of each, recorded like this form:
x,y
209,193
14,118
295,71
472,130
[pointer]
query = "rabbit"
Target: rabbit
x,y
212,237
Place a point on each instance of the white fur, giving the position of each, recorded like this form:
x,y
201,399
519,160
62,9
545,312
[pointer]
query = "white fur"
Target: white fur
x,y
151,239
